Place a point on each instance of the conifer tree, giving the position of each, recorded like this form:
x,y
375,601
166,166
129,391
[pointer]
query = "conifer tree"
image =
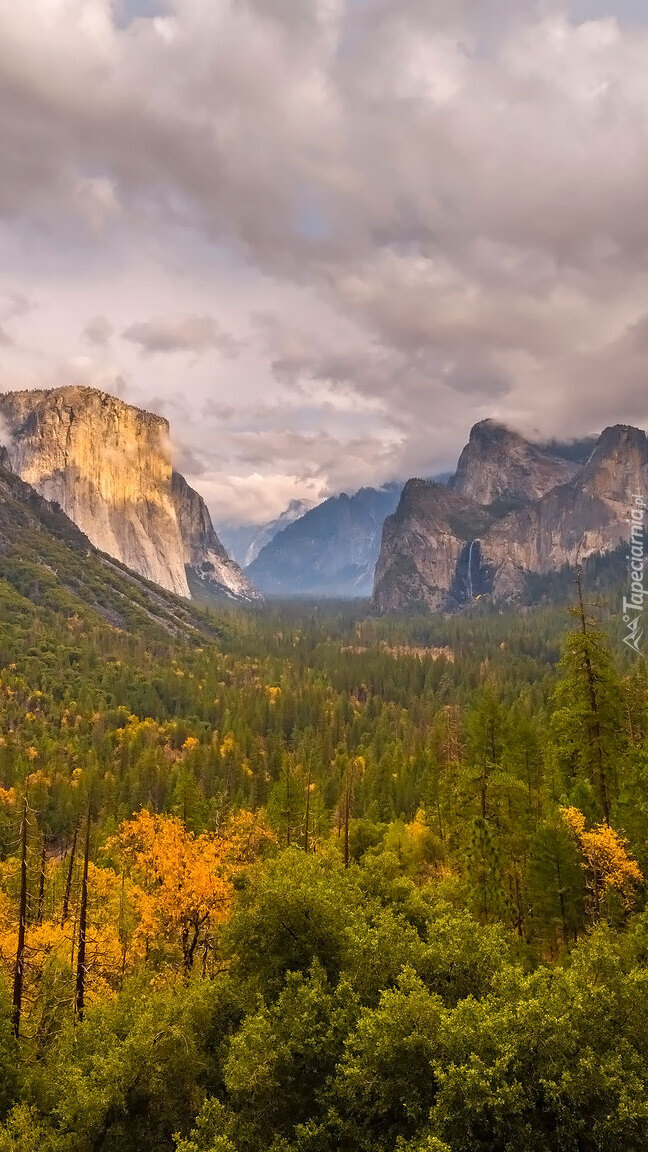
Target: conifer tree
x,y
588,721
483,872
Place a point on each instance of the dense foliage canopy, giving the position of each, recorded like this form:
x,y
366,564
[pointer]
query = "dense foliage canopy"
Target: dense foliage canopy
x,y
312,881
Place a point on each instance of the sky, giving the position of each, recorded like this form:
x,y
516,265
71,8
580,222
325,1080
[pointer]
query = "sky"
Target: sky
x,y
324,237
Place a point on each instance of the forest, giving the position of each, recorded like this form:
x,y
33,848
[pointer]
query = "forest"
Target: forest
x,y
306,880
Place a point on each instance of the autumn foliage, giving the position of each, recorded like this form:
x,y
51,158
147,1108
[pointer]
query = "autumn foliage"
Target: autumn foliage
x,y
608,864
185,881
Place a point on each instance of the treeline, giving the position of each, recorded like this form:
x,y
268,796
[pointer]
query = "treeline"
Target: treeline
x,y
330,882
351,731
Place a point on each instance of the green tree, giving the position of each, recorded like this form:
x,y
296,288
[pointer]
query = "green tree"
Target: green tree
x,y
588,720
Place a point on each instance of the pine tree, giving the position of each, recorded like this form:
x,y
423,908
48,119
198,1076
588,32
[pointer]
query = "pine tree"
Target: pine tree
x,y
483,872
588,721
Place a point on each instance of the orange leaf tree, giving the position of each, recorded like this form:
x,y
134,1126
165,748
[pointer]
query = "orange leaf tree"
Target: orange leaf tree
x,y
187,879
609,866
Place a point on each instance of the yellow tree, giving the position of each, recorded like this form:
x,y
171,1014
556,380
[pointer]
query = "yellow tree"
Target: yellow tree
x,y
186,879
608,864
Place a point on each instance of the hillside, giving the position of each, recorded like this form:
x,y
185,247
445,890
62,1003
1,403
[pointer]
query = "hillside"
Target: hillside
x,y
47,563
308,862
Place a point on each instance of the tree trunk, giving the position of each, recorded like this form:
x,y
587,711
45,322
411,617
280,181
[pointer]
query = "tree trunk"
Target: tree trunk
x,y
596,725
288,828
189,945
41,884
83,923
308,784
561,897
19,970
347,808
123,934
68,883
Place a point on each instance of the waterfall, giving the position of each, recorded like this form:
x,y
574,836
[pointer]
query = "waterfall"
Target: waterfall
x,y
470,581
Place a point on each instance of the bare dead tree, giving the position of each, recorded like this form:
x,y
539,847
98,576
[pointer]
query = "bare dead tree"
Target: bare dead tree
x,y
19,969
70,873
83,924
41,882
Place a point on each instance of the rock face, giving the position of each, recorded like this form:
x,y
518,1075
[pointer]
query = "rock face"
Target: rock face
x,y
108,466
330,551
575,520
50,562
206,561
443,551
500,465
426,556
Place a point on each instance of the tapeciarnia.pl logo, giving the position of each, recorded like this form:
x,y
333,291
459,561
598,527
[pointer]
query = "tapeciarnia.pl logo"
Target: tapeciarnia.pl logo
x,y
633,605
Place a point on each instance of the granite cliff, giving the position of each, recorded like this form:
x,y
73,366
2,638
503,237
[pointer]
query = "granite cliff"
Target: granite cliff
x,y
511,510
108,466
205,559
498,464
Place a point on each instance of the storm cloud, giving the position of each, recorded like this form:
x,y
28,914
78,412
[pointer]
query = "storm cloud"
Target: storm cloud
x,y
341,230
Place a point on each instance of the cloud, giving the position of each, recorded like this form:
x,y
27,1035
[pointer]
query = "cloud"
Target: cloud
x,y
415,213
97,202
98,331
196,334
14,304
255,497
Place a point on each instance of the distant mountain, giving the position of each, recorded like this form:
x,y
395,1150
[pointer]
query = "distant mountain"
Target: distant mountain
x,y
576,450
245,541
512,511
329,551
108,465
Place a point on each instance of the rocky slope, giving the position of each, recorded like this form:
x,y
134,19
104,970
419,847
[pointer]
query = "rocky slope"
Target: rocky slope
x,y
330,551
444,552
108,465
207,564
423,545
586,516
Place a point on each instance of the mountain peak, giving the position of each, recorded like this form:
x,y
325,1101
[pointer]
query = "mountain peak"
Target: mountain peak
x,y
81,397
491,429
500,465
329,551
620,436
618,463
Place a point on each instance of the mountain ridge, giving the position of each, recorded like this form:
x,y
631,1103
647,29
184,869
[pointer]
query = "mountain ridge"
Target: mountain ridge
x,y
331,550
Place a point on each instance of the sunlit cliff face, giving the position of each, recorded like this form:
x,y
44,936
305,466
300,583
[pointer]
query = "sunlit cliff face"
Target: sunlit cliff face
x,y
109,466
